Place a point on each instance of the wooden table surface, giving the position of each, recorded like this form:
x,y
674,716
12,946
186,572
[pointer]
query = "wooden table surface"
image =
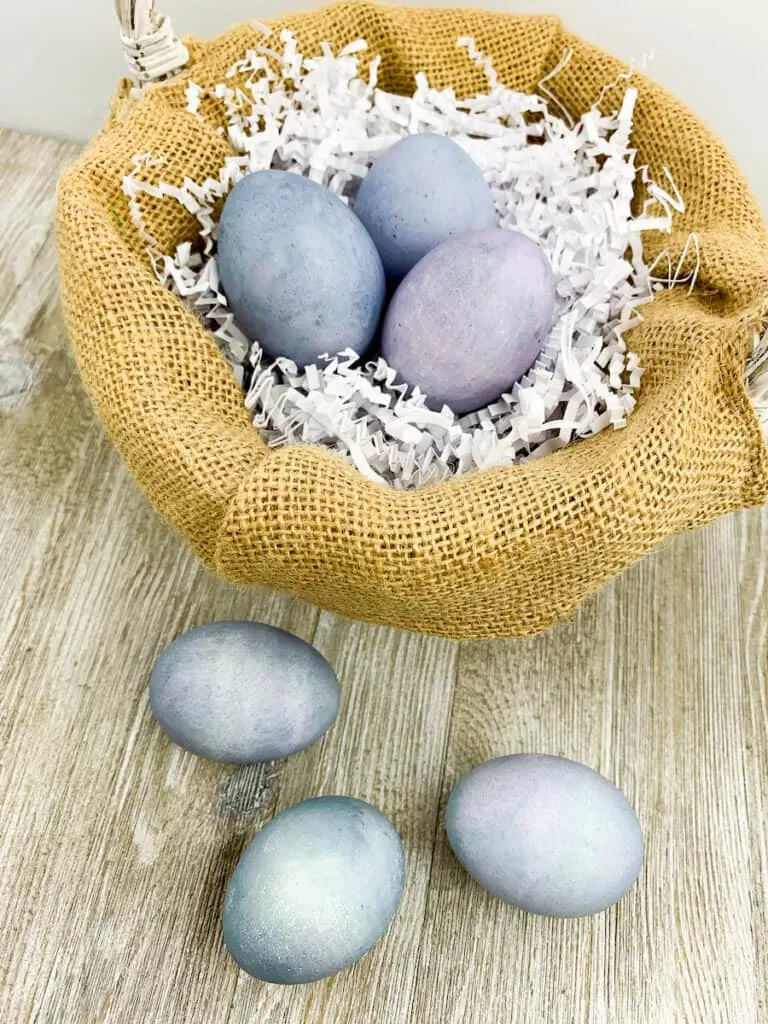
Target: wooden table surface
x,y
115,846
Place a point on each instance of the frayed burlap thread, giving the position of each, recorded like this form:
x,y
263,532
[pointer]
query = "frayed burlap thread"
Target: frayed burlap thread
x,y
503,553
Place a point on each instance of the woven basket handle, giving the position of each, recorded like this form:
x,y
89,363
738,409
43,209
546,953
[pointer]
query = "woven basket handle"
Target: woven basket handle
x,y
151,49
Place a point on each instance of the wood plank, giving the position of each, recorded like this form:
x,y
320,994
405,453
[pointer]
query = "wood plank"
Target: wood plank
x,y
647,685
29,168
716,952
387,747
752,564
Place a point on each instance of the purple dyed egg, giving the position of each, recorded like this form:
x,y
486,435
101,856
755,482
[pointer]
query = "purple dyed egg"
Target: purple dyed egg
x,y
471,317
546,834
422,191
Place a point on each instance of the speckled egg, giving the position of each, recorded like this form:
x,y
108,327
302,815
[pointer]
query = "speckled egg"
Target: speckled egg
x,y
547,834
471,318
299,270
422,191
243,692
316,888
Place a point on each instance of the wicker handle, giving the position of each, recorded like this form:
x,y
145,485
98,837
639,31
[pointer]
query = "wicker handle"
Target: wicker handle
x,y
152,50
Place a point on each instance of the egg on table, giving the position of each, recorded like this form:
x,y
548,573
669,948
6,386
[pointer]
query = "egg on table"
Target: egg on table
x,y
471,318
243,692
300,272
316,888
546,834
422,191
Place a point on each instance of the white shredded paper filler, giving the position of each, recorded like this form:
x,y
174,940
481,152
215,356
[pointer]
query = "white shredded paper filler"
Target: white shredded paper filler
x,y
567,184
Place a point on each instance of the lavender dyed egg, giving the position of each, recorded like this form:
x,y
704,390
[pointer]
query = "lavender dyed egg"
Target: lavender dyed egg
x,y
316,888
422,191
243,692
299,270
547,834
470,318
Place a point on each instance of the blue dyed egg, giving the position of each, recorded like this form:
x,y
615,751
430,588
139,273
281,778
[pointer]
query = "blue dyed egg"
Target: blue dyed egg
x,y
421,192
299,270
471,318
243,692
317,887
547,834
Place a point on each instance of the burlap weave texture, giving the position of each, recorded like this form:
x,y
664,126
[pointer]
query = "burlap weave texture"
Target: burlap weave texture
x,y
503,553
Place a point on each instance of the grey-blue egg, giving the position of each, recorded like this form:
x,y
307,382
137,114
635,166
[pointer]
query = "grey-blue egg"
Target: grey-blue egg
x,y
316,888
299,270
471,318
546,834
422,191
243,692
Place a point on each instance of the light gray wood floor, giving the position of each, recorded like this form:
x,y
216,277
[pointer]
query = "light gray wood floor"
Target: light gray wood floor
x,y
115,847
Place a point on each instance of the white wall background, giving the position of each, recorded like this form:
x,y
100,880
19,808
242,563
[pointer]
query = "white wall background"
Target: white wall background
x,y
61,58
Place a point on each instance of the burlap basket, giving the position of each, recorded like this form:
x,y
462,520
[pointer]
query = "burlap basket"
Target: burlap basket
x,y
505,552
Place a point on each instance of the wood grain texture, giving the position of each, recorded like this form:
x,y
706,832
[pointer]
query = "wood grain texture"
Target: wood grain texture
x,y
115,846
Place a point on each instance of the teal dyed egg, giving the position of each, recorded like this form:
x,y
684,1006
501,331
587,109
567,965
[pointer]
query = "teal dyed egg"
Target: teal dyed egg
x,y
316,888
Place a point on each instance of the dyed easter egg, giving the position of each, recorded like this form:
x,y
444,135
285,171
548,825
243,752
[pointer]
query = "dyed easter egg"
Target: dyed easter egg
x,y
422,191
299,270
317,887
547,834
243,692
471,317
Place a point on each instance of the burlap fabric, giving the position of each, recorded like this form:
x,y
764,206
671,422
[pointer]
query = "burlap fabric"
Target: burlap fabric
x,y
502,553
